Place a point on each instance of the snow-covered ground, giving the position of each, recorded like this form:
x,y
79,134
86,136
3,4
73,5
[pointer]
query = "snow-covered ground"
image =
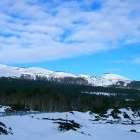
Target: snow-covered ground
x,y
42,127
3,108
100,93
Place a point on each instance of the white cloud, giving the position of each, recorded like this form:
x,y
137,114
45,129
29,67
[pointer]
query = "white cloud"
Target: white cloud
x,y
32,31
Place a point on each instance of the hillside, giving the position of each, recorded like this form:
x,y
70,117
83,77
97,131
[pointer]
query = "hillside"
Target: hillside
x,y
35,73
55,96
70,125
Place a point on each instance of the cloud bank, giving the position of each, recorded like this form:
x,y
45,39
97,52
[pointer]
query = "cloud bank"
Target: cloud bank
x,y
40,30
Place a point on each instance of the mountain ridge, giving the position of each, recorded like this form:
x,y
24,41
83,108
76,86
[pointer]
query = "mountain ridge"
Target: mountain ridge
x,y
106,79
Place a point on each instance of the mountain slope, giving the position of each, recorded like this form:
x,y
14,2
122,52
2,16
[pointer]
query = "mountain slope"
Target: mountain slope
x,y
42,128
106,79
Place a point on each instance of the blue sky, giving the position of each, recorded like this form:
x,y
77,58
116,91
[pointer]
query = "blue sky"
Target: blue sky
x,y
79,36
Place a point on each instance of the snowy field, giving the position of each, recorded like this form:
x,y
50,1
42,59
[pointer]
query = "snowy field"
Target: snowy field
x,y
42,127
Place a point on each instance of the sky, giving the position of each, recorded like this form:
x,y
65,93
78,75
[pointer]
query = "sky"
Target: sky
x,y
78,36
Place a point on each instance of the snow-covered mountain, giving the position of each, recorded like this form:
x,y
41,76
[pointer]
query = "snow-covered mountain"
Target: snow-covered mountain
x,y
34,72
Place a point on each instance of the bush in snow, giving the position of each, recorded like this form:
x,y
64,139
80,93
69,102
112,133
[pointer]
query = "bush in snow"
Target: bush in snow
x,y
133,130
115,113
4,130
68,125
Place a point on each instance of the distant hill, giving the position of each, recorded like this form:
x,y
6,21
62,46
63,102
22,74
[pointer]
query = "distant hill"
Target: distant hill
x,y
35,73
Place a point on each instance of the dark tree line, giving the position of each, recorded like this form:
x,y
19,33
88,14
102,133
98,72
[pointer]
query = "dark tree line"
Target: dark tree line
x,y
55,96
134,84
